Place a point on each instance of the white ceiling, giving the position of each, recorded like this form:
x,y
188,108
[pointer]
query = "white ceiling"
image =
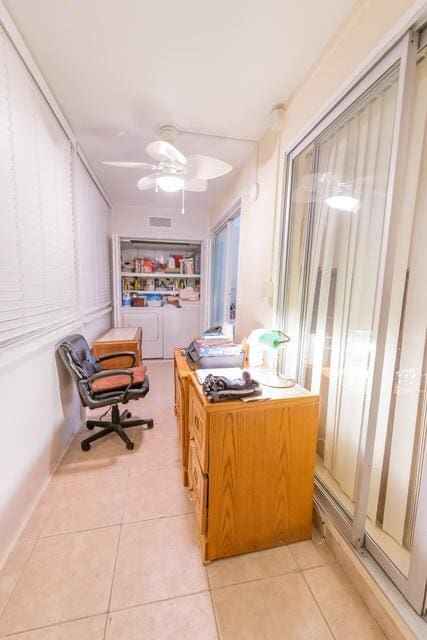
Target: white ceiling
x,y
120,68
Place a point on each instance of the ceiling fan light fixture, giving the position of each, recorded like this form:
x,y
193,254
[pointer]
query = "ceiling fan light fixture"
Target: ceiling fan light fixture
x,y
170,183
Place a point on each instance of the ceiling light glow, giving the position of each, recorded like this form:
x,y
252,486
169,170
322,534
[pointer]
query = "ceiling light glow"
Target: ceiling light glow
x,y
343,202
170,183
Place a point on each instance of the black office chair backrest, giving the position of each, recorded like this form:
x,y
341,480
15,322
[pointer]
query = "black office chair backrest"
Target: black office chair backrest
x,y
77,357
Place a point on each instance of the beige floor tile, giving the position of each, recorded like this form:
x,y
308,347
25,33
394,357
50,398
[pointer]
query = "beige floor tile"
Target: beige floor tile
x,y
185,618
157,559
251,566
309,554
67,577
155,494
344,610
12,569
86,629
107,456
87,506
279,608
156,452
41,511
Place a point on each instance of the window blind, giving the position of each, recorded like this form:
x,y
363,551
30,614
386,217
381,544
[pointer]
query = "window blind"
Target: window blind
x,y
38,280
333,264
93,245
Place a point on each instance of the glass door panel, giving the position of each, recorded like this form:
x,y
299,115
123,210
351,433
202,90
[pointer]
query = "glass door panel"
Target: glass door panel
x,y
397,470
219,276
234,267
337,217
225,271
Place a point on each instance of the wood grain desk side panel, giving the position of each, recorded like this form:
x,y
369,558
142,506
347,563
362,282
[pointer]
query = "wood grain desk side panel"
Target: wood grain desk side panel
x,y
182,373
261,476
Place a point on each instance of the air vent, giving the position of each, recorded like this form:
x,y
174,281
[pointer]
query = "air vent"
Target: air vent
x,y
159,222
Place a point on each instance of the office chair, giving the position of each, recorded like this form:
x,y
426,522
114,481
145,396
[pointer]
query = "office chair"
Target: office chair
x,y
109,387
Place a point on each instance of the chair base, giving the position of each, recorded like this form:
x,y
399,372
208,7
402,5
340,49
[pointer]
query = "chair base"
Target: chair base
x,y
119,422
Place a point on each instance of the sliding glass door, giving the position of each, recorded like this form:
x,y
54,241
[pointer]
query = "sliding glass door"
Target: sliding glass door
x,y
355,308
225,262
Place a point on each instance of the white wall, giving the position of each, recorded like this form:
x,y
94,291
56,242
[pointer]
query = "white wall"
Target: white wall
x,y
40,410
257,284
133,221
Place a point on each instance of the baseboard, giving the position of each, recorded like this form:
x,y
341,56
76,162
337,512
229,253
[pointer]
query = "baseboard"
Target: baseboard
x,y
385,602
31,508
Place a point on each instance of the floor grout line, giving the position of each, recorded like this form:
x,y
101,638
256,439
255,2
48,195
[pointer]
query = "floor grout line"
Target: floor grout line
x,y
215,615
117,552
53,624
143,604
274,575
318,604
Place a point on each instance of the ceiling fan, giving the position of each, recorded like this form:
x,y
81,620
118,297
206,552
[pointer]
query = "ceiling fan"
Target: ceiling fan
x,y
173,171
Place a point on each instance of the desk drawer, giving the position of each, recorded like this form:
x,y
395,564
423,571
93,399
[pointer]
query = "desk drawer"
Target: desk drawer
x,y
198,487
198,429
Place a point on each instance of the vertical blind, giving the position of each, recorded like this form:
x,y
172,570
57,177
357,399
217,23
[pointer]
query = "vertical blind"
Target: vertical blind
x,y
93,245
333,264
38,279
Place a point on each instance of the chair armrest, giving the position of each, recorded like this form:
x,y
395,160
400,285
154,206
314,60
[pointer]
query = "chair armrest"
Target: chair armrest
x,y
118,354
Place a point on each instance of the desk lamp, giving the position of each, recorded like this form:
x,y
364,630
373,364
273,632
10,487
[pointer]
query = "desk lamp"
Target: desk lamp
x,y
270,340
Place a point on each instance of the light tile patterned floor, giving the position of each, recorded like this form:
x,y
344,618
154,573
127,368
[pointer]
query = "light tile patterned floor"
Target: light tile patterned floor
x,y
110,553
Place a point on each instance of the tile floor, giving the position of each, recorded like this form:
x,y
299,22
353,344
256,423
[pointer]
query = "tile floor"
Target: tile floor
x,y
110,553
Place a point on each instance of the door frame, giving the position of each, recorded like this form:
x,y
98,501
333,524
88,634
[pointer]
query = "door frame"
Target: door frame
x,y
403,51
225,222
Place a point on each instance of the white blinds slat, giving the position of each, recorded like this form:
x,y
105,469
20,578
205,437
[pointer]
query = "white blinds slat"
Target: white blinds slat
x,y
38,280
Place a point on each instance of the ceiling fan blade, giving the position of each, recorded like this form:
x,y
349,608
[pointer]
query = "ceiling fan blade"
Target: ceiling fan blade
x,y
206,168
147,182
195,185
164,151
131,165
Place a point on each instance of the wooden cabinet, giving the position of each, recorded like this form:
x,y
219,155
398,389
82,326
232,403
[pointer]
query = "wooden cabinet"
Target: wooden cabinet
x,y
123,339
182,373
250,469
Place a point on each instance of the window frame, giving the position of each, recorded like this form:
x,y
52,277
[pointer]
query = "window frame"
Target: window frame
x,y
227,224
403,52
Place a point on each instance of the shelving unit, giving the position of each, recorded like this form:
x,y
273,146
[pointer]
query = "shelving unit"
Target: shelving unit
x,y
161,274
167,326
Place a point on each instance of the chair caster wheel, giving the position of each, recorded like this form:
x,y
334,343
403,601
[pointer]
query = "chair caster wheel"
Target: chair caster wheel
x,y
130,445
85,446
128,415
150,424
90,427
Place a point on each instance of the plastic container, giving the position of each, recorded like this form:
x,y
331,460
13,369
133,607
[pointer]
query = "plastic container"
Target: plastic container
x,y
126,300
154,300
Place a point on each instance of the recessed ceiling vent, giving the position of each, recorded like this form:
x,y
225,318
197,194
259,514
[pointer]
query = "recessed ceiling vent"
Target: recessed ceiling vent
x,y
154,221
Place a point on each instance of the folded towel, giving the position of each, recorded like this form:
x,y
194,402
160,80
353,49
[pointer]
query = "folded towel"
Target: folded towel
x,y
217,388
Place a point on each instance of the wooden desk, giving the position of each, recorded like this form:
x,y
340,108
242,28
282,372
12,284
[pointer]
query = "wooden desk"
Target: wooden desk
x,y
182,374
250,468
120,339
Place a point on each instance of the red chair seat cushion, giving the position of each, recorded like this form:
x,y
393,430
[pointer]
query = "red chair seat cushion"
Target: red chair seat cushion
x,y
119,382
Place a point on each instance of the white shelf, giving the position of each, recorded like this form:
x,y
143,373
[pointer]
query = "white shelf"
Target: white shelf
x,y
163,292
159,274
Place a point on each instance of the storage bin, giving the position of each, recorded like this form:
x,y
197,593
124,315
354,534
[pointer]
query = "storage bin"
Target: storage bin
x,y
154,300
